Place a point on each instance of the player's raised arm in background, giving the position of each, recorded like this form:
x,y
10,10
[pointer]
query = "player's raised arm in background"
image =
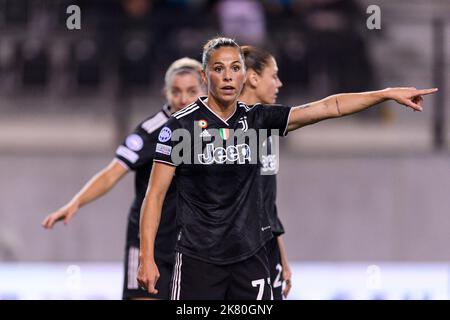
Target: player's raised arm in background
x,y
96,187
160,179
343,104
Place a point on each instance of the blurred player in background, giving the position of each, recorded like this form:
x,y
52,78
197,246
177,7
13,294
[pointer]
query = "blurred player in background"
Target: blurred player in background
x,y
262,86
183,84
220,250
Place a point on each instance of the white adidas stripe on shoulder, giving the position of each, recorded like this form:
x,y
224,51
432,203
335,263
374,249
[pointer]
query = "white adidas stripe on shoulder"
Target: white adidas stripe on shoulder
x,y
184,110
187,112
253,107
243,105
155,122
188,107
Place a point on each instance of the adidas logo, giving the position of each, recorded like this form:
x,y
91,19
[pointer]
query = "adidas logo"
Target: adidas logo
x,y
205,133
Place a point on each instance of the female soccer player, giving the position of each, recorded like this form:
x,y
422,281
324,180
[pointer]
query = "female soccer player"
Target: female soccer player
x,y
220,251
262,86
183,84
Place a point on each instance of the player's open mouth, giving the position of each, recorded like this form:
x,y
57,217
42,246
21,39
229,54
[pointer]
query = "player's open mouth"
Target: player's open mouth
x,y
228,89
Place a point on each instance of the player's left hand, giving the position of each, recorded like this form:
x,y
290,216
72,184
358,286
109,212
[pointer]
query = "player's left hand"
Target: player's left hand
x,y
410,97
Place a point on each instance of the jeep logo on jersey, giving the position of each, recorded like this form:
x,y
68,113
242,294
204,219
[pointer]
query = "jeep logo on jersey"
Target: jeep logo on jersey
x,y
223,146
165,134
211,154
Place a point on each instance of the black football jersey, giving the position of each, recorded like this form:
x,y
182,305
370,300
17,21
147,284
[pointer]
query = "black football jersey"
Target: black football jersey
x,y
220,205
136,153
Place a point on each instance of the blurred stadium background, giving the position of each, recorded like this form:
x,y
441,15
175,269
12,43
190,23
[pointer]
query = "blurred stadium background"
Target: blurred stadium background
x,y
364,200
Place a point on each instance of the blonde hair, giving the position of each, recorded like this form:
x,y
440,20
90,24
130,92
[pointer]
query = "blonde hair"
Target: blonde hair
x,y
183,66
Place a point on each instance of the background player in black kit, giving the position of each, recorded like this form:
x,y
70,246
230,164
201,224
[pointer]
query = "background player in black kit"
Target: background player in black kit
x,y
220,249
262,86
183,84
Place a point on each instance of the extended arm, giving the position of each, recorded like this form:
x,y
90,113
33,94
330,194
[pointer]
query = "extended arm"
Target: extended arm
x,y
343,104
97,186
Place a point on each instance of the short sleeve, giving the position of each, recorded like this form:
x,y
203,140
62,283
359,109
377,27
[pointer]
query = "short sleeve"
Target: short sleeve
x,y
273,117
165,144
137,149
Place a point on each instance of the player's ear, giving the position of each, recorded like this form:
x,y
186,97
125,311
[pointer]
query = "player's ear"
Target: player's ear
x,y
203,75
252,78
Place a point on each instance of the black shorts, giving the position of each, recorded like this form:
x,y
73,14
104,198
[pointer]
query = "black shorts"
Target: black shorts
x,y
275,268
195,279
131,289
